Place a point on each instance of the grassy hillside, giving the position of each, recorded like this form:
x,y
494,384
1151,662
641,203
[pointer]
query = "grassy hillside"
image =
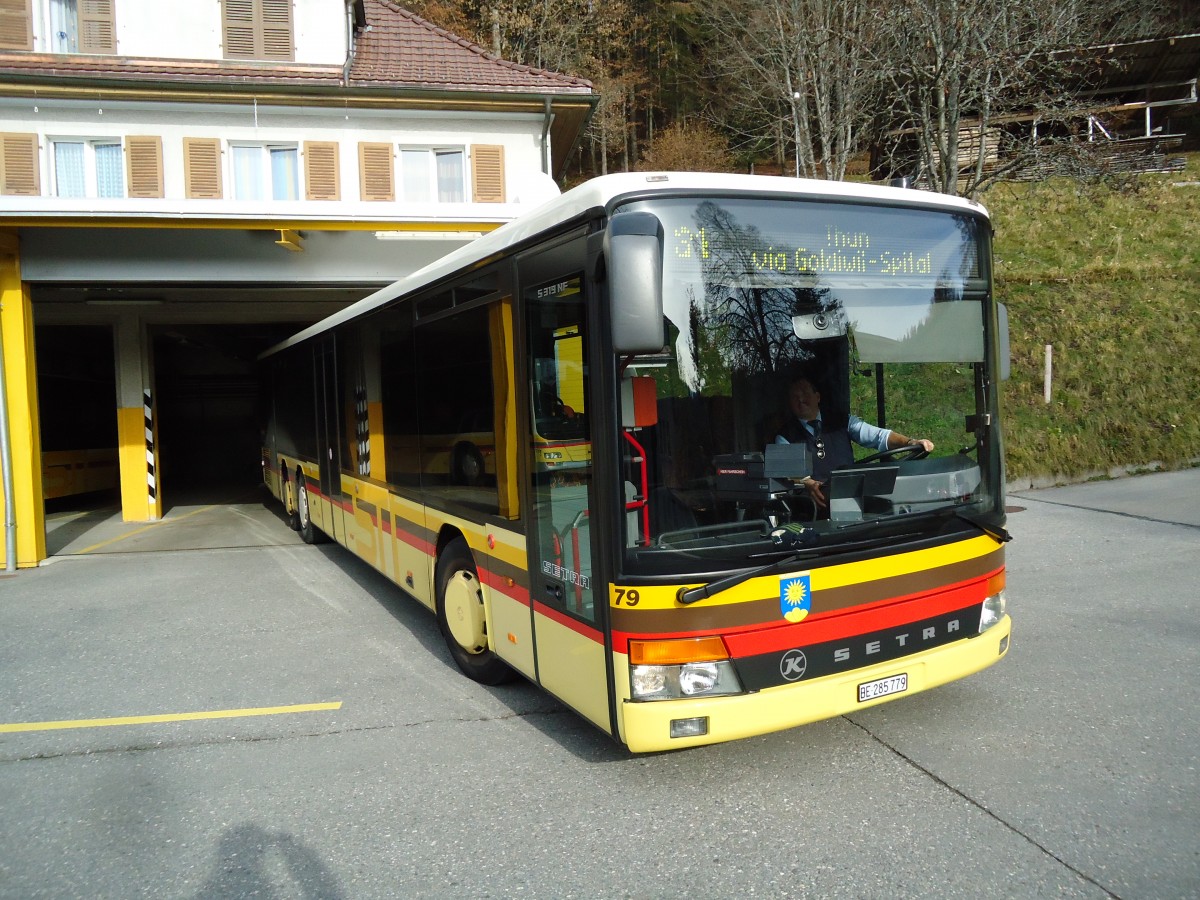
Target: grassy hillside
x,y
1109,275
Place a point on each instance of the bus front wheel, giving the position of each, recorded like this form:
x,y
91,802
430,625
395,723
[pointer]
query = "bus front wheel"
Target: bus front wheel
x,y
460,616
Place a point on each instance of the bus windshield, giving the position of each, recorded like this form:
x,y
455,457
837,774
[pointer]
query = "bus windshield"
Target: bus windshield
x,y
876,314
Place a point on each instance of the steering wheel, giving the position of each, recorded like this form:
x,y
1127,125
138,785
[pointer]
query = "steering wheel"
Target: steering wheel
x,y
908,451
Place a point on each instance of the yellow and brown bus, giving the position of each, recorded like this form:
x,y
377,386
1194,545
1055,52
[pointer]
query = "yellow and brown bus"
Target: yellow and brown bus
x,y
563,439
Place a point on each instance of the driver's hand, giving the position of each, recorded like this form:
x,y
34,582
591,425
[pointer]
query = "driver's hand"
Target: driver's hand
x,y
926,443
816,492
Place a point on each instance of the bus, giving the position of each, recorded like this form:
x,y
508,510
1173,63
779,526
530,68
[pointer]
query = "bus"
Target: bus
x,y
623,525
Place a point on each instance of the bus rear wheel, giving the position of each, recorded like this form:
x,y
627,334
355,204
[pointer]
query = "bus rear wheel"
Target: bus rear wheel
x,y
288,489
308,531
460,616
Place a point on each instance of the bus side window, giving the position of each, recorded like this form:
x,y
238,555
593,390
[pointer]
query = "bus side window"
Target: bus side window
x,y
457,401
398,391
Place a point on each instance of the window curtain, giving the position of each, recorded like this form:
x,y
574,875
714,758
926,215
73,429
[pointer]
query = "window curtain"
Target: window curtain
x,y
249,182
68,169
285,172
110,173
64,26
416,177
450,176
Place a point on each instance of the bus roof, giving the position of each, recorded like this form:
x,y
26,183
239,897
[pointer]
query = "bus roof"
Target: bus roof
x,y
599,193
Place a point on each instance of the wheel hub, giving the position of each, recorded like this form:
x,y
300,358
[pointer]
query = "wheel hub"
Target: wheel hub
x,y
464,612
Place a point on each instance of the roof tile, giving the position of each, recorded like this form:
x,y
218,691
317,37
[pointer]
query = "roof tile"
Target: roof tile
x,y
399,51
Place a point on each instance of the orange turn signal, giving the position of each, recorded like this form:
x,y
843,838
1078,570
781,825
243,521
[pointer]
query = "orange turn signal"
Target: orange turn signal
x,y
995,583
677,652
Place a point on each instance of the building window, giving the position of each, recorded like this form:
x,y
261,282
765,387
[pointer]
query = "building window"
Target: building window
x,y
428,175
91,29
89,168
265,172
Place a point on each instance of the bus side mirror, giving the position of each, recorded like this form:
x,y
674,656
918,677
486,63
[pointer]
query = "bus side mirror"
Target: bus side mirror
x,y
633,249
1005,354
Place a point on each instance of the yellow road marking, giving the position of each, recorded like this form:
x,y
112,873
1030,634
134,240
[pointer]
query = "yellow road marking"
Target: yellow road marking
x,y
168,717
142,530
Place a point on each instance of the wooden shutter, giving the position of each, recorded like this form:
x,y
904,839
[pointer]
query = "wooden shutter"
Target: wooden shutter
x,y
277,29
16,25
487,173
202,168
321,170
238,28
143,166
375,177
257,29
19,166
97,27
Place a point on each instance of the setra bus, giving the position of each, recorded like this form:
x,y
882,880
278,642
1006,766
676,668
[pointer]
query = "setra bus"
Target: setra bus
x,y
563,439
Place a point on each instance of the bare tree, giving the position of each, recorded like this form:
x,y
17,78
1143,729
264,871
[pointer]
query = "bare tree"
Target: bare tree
x,y
800,60
980,88
581,37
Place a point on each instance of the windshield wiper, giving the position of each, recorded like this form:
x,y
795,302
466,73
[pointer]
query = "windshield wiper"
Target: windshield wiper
x,y
995,532
692,595
789,537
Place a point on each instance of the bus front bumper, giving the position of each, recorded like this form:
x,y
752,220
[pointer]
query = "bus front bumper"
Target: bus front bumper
x,y
646,726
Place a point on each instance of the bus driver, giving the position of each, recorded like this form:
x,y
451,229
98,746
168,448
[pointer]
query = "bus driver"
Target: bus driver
x,y
831,447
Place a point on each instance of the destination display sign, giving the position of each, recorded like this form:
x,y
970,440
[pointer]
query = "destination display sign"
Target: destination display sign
x,y
773,242
836,252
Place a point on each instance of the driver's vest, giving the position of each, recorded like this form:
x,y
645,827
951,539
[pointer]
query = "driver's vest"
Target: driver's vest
x,y
839,453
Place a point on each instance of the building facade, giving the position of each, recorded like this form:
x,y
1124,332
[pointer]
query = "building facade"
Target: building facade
x,y
221,171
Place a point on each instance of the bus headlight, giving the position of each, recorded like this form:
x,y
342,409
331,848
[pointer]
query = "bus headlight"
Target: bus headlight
x,y
699,678
993,611
995,603
707,679
647,681
677,669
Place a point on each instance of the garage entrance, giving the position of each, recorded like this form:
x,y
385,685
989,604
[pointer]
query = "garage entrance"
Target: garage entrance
x,y
77,389
143,343
208,422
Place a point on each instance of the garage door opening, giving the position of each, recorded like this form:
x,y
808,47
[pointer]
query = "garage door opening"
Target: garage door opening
x,y
209,439
76,382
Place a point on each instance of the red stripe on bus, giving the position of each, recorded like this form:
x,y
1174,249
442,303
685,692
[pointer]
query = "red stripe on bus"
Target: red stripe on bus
x,y
500,584
399,534
405,536
575,625
831,626
316,492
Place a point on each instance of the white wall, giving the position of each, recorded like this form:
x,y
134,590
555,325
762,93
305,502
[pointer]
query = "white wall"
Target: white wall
x,y
168,29
520,135
191,29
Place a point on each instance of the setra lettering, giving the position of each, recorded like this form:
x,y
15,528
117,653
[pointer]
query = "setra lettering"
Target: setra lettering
x,y
875,646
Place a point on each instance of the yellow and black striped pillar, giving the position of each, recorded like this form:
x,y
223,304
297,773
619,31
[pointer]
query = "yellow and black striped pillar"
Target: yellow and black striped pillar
x,y
137,431
151,480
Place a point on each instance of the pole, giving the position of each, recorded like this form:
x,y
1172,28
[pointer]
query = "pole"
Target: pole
x,y
1047,377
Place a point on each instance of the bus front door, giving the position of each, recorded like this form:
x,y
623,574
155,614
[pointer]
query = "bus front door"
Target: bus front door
x,y
565,596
